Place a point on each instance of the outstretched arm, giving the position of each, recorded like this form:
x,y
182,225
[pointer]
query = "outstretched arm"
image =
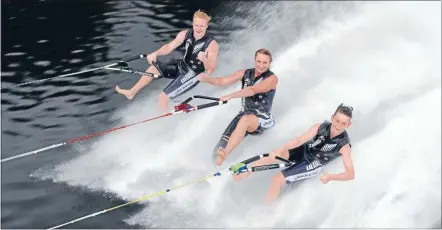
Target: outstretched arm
x,y
296,142
283,151
223,81
349,173
169,47
262,87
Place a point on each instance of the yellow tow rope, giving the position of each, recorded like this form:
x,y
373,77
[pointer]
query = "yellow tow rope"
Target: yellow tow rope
x,y
162,192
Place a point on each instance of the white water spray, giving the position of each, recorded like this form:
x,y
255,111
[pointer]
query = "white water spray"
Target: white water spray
x,y
382,58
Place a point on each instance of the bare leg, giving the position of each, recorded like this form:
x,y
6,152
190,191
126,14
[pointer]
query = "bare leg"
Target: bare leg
x,y
275,187
163,102
247,123
144,81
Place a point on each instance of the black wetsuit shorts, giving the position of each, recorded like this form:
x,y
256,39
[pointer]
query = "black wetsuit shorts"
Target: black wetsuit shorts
x,y
184,78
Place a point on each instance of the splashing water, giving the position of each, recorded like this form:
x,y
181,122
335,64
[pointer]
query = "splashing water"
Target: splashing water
x,y
382,58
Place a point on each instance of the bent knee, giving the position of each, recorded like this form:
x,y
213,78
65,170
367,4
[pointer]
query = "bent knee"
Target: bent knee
x,y
253,123
153,69
249,120
285,154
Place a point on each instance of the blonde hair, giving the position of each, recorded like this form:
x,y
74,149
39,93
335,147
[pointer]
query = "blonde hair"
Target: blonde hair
x,y
265,52
201,15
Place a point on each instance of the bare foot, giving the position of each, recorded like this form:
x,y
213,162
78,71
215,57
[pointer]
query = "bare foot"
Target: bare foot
x,y
125,92
221,156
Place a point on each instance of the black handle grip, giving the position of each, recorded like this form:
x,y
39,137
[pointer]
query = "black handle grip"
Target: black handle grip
x,y
187,100
265,167
270,166
255,158
283,160
206,97
202,97
158,68
204,106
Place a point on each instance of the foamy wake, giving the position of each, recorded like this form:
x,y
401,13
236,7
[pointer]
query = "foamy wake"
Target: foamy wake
x,y
382,58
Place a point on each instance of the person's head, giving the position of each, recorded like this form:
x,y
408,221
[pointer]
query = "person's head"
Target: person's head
x,y
200,22
263,59
341,119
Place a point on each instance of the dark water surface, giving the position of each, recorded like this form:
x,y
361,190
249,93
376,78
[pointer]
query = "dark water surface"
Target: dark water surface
x,y
42,39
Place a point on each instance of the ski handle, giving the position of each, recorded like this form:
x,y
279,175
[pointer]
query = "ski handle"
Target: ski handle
x,y
201,97
124,67
257,157
286,163
207,105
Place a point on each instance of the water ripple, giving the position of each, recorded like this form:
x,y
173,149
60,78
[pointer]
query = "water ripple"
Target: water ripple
x,y
21,120
41,114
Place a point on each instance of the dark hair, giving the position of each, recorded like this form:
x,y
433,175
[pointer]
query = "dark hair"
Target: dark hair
x,y
265,52
344,109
